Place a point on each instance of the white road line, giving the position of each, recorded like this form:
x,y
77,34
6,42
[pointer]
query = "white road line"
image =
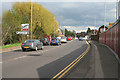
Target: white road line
x,y
0,62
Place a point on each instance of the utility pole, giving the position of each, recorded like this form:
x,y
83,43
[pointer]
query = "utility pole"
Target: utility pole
x,y
31,20
54,27
94,25
104,14
117,9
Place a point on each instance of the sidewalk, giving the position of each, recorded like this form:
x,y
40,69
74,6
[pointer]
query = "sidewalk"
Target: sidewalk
x,y
99,62
9,49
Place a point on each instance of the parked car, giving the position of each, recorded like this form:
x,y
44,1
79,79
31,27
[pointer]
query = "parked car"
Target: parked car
x,y
55,41
32,44
80,38
71,38
59,38
68,38
49,38
45,41
63,39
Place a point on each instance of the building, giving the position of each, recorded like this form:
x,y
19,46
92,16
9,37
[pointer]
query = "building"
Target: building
x,y
101,29
94,32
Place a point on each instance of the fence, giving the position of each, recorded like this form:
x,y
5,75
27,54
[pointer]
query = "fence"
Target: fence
x,y
111,37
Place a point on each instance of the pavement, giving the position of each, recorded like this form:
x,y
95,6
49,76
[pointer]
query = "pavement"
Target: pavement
x,y
99,63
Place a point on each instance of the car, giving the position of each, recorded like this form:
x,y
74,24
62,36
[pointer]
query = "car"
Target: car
x,y
45,41
71,38
63,39
80,38
68,38
32,45
55,41
59,38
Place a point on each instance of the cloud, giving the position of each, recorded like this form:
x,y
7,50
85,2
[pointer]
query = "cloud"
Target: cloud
x,y
59,0
81,14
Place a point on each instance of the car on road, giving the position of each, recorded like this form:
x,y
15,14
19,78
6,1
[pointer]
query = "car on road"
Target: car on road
x,y
55,41
32,45
63,39
68,38
80,38
45,41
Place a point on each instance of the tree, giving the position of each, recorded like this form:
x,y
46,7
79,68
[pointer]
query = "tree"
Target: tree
x,y
43,22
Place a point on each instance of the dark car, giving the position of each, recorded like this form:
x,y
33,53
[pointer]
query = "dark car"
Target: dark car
x,y
55,41
32,45
46,41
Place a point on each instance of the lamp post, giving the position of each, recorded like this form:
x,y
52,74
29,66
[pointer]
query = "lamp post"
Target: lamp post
x,y
94,25
54,27
117,9
104,14
31,20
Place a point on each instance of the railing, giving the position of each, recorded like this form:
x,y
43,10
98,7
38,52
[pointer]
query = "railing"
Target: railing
x,y
111,37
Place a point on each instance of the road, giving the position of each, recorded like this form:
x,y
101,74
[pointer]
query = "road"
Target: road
x,y
42,63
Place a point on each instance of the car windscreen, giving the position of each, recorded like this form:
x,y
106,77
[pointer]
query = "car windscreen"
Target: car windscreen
x,y
54,39
62,37
45,39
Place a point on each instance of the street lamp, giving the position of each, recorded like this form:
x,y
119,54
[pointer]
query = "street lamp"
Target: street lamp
x,y
31,20
117,9
104,14
54,27
94,25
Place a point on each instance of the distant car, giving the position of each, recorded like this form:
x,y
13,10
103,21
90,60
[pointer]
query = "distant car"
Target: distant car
x,y
59,38
68,38
45,41
80,38
63,39
32,45
71,38
55,41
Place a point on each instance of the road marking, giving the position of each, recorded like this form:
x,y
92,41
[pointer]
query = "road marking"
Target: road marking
x,y
71,65
0,62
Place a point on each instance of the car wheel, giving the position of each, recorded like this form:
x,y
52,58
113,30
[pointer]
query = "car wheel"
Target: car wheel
x,y
23,49
36,48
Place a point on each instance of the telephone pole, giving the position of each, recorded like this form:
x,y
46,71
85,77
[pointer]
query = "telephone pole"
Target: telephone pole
x,y
31,20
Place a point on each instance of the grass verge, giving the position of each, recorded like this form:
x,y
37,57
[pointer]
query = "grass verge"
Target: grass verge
x,y
10,45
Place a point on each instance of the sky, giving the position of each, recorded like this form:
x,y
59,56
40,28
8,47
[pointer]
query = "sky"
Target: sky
x,y
76,15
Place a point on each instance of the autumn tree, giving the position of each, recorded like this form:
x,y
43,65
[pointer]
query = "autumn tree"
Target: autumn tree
x,y
43,22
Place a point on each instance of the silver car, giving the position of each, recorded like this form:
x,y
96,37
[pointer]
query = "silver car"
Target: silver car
x,y
32,44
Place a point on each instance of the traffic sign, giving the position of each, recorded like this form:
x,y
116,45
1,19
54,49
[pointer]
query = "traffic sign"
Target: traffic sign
x,y
22,32
24,27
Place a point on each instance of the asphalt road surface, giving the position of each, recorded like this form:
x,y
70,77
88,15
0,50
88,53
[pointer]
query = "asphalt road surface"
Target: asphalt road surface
x,y
42,63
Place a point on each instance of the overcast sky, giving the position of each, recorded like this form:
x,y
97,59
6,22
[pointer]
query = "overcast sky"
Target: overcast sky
x,y
79,15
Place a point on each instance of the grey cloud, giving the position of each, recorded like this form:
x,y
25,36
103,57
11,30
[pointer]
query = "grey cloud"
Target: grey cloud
x,y
80,13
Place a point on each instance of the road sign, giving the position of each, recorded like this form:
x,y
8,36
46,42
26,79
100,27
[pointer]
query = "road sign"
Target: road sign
x,y
24,27
22,32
